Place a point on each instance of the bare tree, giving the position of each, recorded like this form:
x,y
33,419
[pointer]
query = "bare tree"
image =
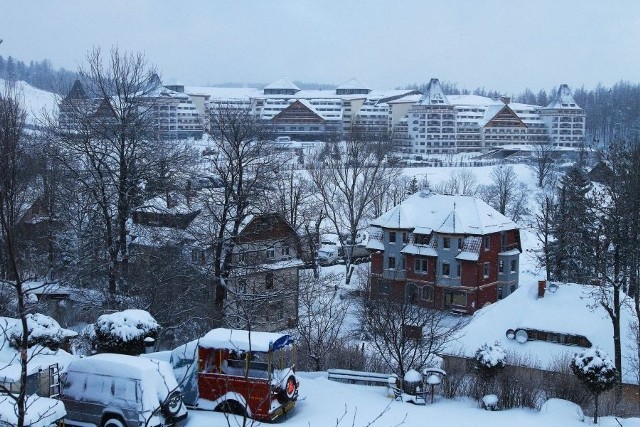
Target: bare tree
x,y
244,163
105,137
460,181
349,176
322,317
405,335
506,194
543,163
17,187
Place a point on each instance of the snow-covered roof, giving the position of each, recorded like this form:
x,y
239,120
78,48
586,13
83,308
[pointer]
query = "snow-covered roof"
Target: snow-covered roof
x,y
452,214
563,99
282,83
434,95
118,365
419,250
353,83
40,411
239,340
39,357
565,311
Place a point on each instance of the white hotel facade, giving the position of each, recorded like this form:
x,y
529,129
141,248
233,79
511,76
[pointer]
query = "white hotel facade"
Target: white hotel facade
x,y
419,123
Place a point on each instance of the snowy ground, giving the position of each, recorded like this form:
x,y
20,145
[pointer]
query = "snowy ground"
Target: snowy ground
x,y
323,403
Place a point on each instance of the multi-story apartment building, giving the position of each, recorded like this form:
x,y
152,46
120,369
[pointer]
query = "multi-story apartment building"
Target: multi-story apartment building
x,y
444,124
444,252
310,114
171,113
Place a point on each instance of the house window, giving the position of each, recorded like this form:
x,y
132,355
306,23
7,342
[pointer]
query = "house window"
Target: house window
x,y
405,238
501,266
446,269
503,242
285,250
486,270
410,293
392,237
391,263
421,239
500,293
271,253
268,280
460,242
458,269
421,265
384,288
513,265
427,293
197,256
446,242
486,243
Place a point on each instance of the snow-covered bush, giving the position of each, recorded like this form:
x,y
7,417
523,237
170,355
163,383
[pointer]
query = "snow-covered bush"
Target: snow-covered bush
x,y
489,360
596,372
124,331
43,330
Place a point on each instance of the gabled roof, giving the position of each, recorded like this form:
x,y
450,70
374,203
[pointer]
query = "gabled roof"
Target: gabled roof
x,y
501,116
77,91
563,99
353,83
266,227
447,214
298,107
282,84
434,95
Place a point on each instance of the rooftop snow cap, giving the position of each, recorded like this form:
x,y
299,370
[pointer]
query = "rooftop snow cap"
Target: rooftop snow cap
x,y
563,98
353,86
434,95
282,84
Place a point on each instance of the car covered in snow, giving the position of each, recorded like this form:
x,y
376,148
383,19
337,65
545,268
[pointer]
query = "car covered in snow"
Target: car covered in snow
x,y
246,373
115,390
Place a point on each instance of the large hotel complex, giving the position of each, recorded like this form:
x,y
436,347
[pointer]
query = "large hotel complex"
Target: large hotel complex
x,y
419,123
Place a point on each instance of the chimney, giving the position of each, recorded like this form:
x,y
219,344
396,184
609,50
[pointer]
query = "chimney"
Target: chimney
x,y
505,100
542,285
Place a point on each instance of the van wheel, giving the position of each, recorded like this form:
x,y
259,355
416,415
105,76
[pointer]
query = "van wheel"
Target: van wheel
x,y
113,422
232,407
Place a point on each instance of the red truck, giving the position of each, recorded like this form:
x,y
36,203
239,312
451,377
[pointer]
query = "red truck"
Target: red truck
x,y
247,373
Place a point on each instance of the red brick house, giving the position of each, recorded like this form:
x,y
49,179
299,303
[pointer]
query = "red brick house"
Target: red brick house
x,y
445,252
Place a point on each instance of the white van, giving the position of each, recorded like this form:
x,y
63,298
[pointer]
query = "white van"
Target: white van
x,y
114,390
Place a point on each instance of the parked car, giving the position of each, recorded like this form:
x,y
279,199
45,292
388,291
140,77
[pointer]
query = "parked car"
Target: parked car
x,y
114,390
246,373
327,256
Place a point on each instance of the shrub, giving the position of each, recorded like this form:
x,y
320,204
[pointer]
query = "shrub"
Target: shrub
x,y
124,331
43,330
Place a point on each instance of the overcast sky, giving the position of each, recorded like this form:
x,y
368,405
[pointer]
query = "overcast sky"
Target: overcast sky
x,y
506,45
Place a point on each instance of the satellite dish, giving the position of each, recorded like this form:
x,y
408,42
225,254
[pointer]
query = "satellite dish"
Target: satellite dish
x,y
511,334
552,288
522,336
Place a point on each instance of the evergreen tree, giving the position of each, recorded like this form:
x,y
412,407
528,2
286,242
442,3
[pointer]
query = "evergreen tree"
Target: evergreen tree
x,y
572,253
596,372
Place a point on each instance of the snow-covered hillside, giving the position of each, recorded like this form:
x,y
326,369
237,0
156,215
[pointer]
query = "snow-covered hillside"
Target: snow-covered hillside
x,y
36,101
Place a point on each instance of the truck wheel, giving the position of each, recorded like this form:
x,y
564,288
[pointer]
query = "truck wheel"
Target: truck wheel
x,y
113,422
172,404
290,388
